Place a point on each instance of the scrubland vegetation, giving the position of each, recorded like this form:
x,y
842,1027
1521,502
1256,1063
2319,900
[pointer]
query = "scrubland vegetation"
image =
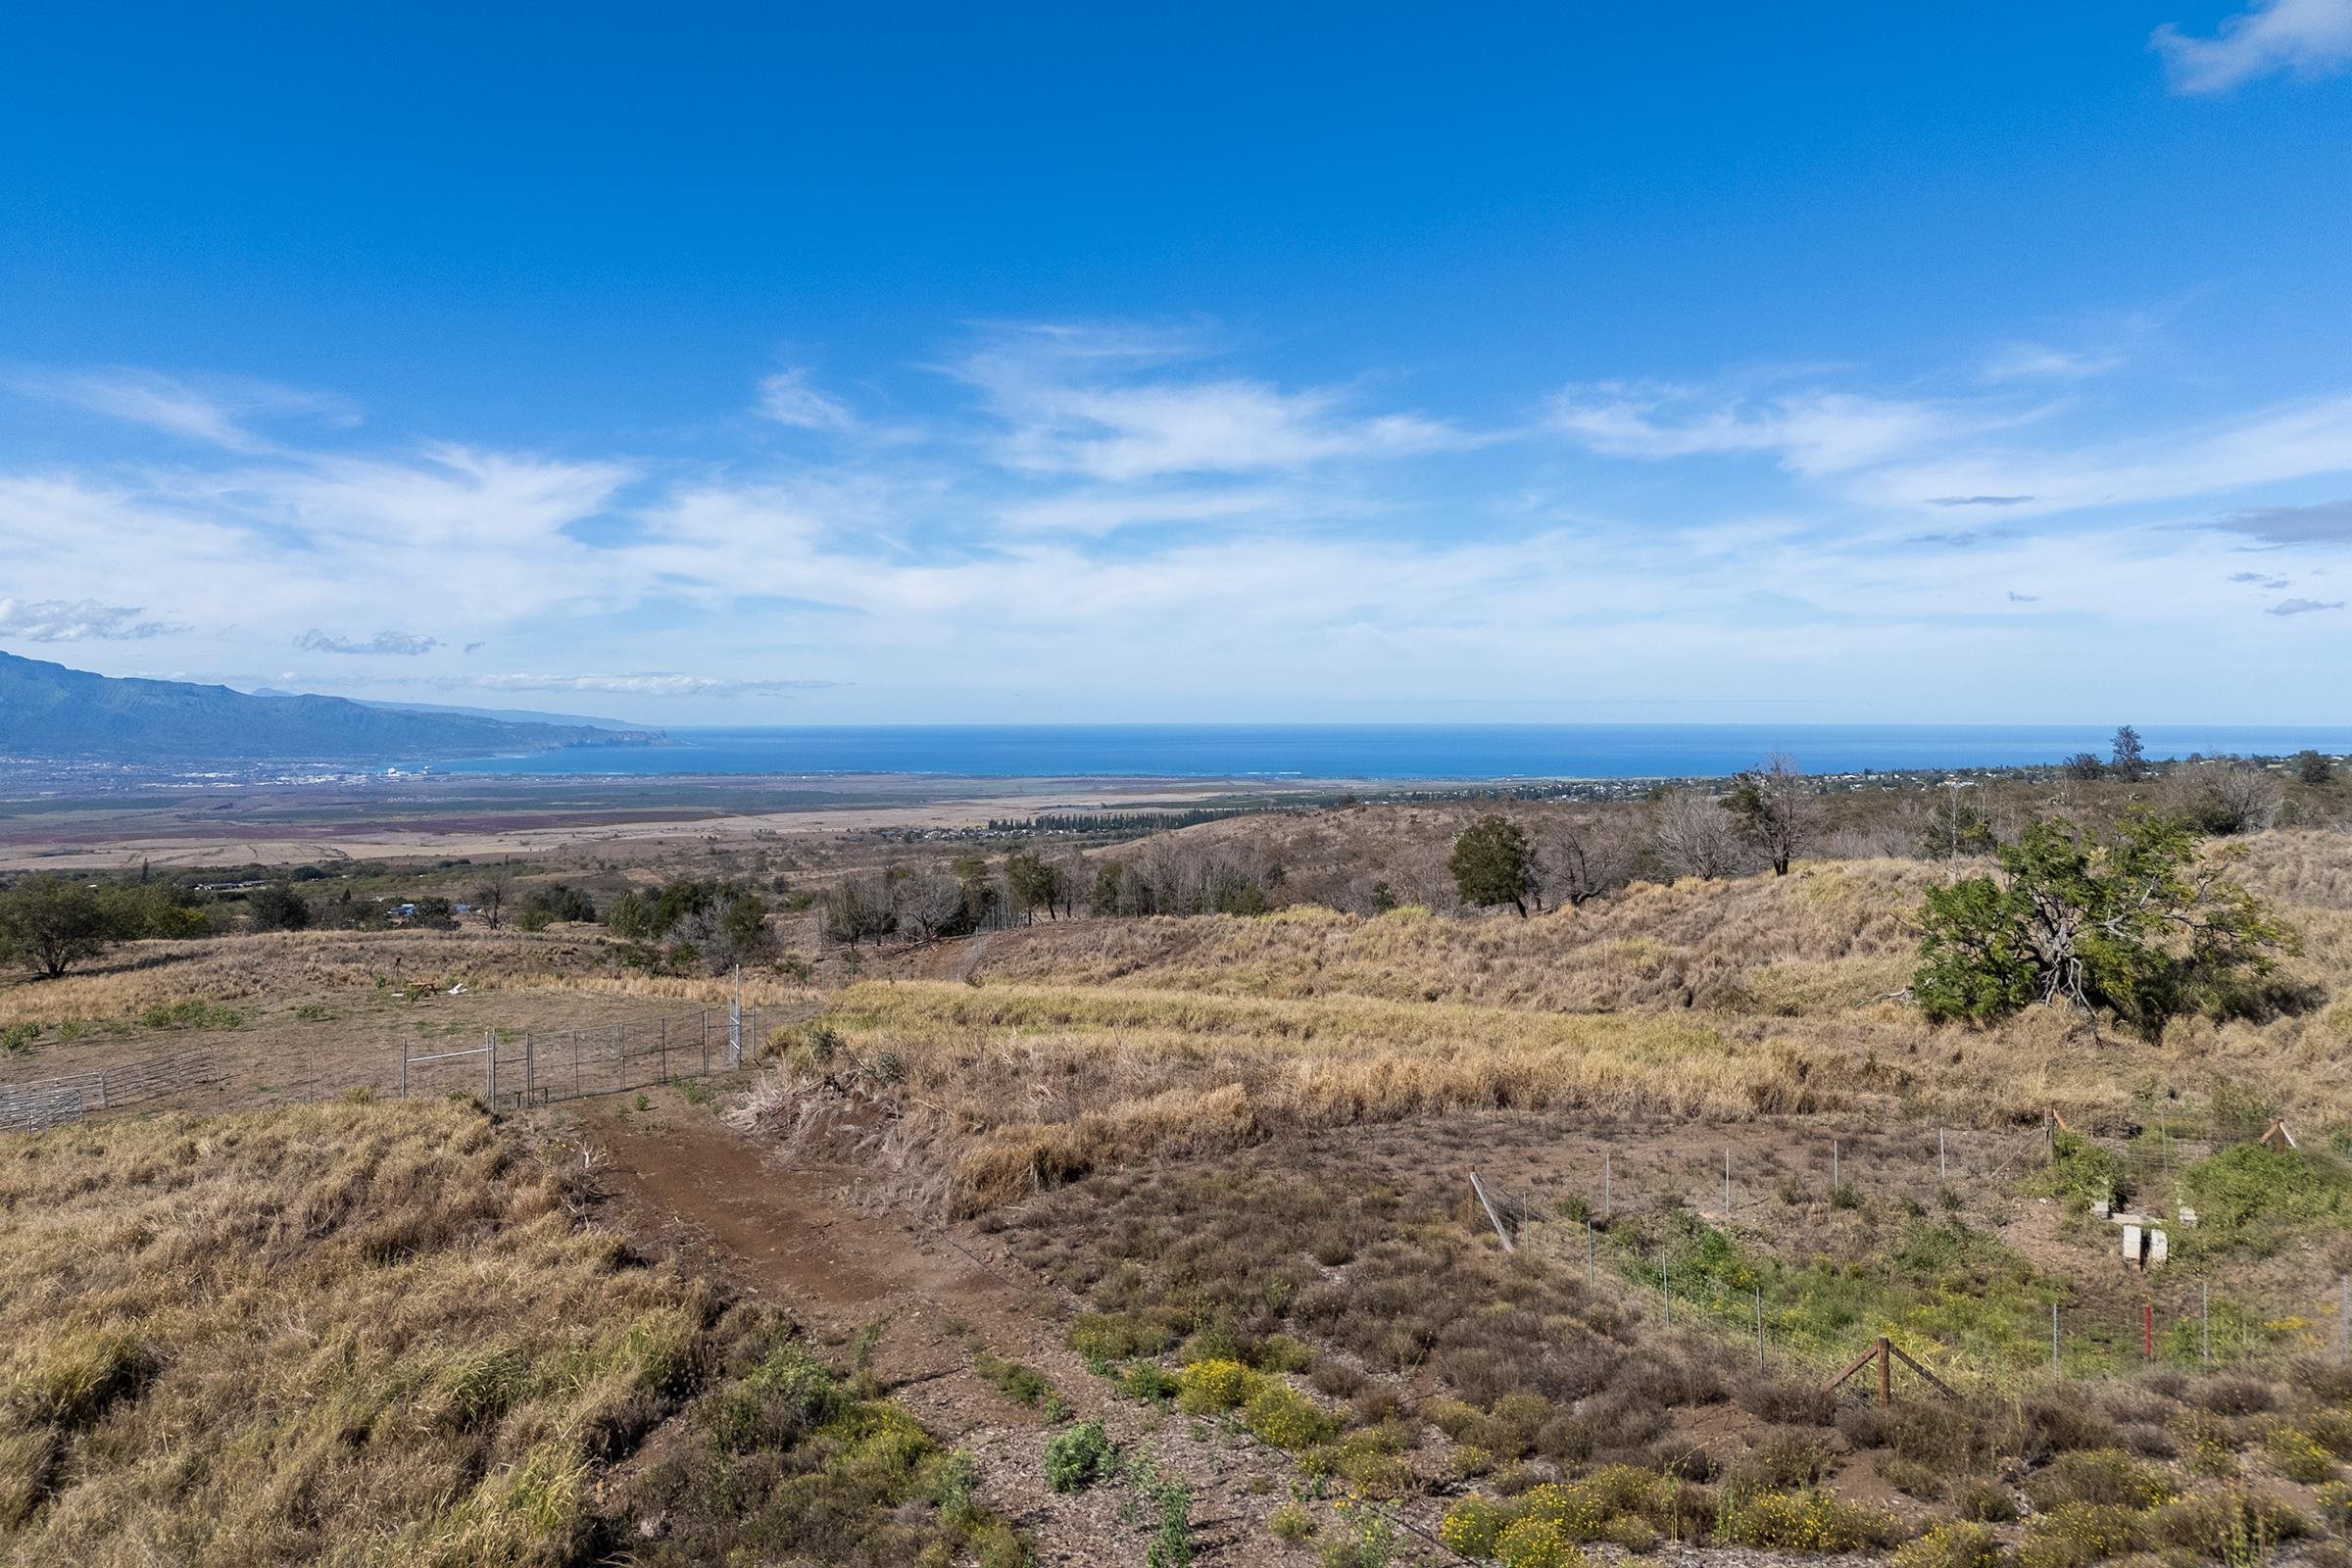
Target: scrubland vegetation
x,y
359,1333
1222,1088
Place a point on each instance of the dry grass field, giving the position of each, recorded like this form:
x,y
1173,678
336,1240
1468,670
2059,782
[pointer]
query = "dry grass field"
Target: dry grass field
x,y
1234,1154
363,1333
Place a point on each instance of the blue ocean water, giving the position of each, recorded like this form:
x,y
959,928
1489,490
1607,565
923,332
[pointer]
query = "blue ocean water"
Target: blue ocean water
x,y
1381,750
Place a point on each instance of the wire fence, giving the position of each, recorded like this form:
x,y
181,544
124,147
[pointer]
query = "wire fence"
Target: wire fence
x,y
67,1098
512,1069
509,1070
1703,1242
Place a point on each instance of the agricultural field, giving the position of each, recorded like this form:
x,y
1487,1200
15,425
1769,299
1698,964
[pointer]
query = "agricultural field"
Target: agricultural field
x,y
1331,1234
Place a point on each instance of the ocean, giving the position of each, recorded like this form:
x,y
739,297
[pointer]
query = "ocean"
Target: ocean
x,y
1381,750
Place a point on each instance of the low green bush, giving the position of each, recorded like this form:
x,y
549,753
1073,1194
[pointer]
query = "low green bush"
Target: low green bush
x,y
1079,1458
1952,1544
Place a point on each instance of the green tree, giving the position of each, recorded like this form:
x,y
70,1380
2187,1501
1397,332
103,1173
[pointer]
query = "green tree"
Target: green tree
x,y
1494,864
279,908
630,917
1108,878
2136,922
2128,758
1034,884
1774,809
2314,767
50,925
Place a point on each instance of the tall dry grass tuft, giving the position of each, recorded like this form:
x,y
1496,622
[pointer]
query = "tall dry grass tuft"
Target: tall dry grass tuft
x,y
1031,1085
343,1334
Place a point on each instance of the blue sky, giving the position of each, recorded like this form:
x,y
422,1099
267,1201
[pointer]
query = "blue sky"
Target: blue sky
x,y
738,365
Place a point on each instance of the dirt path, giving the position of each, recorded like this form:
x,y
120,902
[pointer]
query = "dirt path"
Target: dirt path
x,y
785,1233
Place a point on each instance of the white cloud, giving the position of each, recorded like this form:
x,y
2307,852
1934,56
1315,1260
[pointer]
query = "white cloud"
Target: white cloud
x,y
397,644
1809,431
57,620
216,412
648,684
2303,606
2301,38
788,399
2285,441
2039,362
1106,405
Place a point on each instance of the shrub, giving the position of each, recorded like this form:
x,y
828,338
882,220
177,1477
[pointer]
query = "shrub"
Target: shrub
x,y
1287,1418
1079,1458
1279,1352
1149,1382
1024,1384
2259,1197
1101,1338
1471,1526
1793,1463
1812,1521
1209,1385
2298,1458
2232,1527
2081,1172
2079,1533
2099,1475
1951,1545
1985,1502
1292,1523
1535,1544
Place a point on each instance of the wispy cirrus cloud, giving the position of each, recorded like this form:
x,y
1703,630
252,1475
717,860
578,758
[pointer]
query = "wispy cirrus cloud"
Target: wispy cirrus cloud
x,y
1809,431
57,620
788,398
216,411
2039,361
649,683
1114,405
2303,38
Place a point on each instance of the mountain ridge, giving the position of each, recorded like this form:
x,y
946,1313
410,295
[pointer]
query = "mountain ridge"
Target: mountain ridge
x,y
55,712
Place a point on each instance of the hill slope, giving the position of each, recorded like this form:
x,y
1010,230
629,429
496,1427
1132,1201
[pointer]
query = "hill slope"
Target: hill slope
x,y
49,710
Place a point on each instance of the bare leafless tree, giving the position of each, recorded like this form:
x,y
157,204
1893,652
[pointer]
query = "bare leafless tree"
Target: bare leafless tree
x,y
490,895
1696,836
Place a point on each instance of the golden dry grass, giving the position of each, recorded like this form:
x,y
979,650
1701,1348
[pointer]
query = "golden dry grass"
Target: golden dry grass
x,y
1099,1042
344,1334
234,970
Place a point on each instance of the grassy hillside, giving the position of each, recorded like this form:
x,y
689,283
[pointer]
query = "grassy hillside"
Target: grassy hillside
x,y
366,1333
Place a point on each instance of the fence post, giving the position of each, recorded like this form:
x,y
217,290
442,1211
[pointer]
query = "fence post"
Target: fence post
x,y
529,1067
490,1066
665,1049
1759,1328
2205,1321
1727,1184
1606,1156
2054,1339
706,1042
1833,1168
1939,1154
404,1069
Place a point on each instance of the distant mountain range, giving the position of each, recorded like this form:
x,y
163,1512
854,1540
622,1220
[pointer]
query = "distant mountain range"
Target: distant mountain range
x,y
50,711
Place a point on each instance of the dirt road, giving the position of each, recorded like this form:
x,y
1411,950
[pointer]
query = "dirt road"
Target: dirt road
x,y
788,1234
